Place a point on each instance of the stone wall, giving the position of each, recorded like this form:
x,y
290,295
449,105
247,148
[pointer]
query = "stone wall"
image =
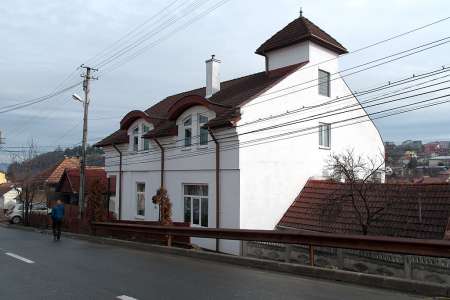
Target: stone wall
x,y
405,266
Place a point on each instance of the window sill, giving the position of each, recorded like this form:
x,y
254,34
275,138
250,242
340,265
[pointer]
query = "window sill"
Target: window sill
x,y
324,148
139,218
186,149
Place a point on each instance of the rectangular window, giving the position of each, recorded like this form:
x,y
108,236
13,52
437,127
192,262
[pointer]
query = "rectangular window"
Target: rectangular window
x,y
187,124
145,129
196,204
136,139
324,135
202,120
140,199
324,83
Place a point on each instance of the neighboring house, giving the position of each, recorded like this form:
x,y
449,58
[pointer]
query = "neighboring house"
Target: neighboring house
x,y
420,211
47,180
439,161
220,150
8,195
2,177
69,185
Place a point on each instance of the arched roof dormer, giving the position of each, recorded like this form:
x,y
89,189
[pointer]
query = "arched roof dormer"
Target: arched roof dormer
x,y
184,103
132,116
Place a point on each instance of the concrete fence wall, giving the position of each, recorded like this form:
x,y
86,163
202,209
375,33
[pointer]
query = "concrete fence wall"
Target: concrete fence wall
x,y
421,268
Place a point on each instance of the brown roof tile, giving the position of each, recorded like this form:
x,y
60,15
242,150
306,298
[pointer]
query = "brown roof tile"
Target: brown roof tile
x,y
409,210
297,31
233,94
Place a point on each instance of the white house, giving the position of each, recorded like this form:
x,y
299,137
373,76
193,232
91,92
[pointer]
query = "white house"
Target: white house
x,y
236,153
8,195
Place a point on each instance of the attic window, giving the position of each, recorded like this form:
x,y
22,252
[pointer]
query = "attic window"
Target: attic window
x,y
136,139
187,124
202,120
324,83
145,129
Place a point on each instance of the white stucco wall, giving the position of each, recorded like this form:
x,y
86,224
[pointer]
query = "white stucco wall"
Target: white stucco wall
x,y
273,173
287,56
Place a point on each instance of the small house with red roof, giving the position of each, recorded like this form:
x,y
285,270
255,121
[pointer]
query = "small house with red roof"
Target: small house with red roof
x,y
69,185
234,153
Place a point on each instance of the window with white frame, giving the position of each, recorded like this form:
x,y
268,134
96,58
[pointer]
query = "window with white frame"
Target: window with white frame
x,y
324,83
146,143
202,120
196,204
135,139
140,199
324,135
187,127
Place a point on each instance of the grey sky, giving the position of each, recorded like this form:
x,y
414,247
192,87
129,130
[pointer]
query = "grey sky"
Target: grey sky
x,y
44,41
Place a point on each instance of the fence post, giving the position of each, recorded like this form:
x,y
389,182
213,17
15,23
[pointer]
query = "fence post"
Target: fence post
x,y
407,264
287,253
169,240
340,258
244,245
311,255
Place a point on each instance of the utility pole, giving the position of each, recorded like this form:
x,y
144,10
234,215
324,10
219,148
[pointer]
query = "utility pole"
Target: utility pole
x,y
87,77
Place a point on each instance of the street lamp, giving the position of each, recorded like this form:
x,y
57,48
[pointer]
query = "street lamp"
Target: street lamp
x,y
77,98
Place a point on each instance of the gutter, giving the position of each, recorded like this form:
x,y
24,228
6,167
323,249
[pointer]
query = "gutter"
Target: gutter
x,y
217,184
120,180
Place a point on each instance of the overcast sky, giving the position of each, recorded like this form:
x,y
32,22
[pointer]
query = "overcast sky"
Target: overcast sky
x,y
44,41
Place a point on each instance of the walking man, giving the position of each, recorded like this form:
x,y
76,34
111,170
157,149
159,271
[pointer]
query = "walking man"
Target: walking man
x,y
57,218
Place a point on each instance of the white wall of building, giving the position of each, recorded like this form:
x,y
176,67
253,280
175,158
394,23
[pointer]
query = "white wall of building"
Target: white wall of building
x,y
8,199
275,169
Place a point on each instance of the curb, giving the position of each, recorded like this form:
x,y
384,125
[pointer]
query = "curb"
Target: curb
x,y
369,280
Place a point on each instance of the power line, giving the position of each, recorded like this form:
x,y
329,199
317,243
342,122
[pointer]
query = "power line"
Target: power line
x,y
264,139
314,117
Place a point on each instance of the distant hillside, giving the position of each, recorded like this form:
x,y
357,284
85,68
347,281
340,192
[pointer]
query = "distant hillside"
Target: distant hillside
x,y
41,162
3,167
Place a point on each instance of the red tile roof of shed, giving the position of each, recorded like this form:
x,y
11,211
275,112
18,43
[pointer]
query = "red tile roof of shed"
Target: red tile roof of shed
x,y
94,175
299,30
411,210
53,174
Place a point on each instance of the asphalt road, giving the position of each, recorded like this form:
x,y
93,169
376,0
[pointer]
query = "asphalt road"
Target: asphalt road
x,y
32,266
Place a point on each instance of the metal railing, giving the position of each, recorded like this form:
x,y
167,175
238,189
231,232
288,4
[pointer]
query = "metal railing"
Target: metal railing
x,y
434,248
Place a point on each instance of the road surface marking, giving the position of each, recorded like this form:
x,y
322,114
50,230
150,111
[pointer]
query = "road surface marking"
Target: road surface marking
x,y
125,297
20,258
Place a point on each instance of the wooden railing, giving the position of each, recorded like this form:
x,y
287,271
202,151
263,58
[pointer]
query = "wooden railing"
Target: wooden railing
x,y
435,248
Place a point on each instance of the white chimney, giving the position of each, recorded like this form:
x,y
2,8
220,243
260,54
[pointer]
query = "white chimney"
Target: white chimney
x,y
212,76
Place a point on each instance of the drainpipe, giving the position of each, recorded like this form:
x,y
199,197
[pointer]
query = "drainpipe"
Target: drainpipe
x,y
162,161
217,183
120,180
162,170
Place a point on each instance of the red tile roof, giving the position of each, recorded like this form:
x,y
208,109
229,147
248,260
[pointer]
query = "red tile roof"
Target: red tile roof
x,y
297,31
70,181
410,210
226,103
53,174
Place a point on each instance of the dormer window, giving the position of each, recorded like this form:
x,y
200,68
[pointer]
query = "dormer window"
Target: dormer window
x,y
145,129
187,126
135,140
202,120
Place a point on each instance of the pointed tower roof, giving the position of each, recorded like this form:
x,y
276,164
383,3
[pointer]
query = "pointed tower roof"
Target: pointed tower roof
x,y
299,30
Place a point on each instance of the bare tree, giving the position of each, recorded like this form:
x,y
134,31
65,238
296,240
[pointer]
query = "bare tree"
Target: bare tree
x,y
25,184
362,176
